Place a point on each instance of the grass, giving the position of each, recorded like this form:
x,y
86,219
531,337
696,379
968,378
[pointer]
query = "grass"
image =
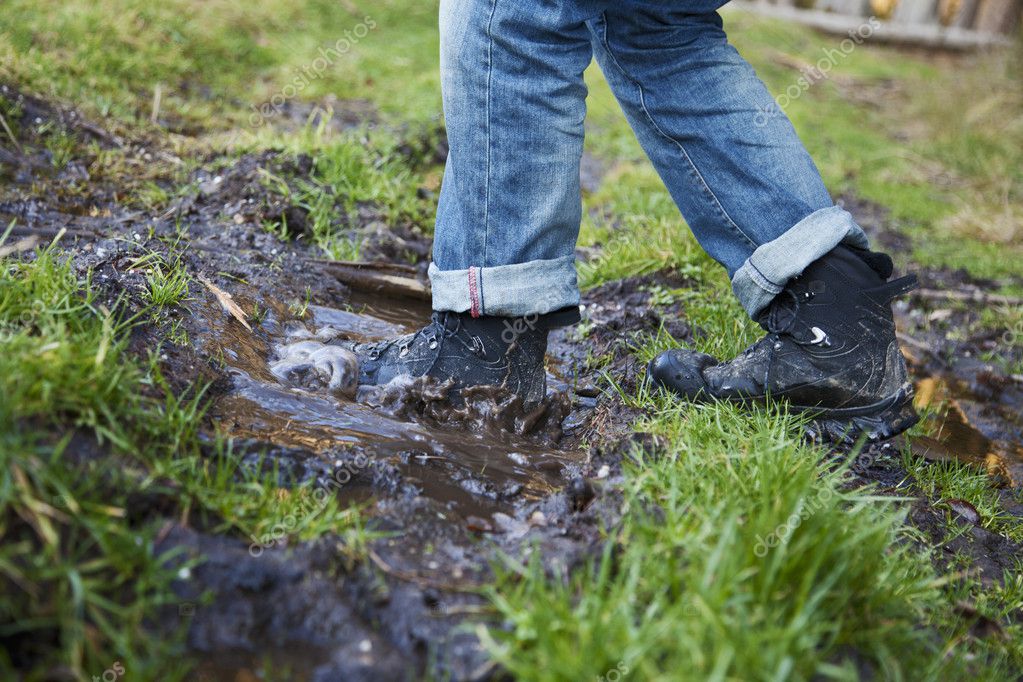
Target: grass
x,y
740,557
107,57
352,182
743,553
167,282
82,425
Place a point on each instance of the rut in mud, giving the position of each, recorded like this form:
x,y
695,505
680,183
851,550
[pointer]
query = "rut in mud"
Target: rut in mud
x,y
445,491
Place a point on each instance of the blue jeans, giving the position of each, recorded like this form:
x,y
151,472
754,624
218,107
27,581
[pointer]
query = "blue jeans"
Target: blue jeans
x,y
514,103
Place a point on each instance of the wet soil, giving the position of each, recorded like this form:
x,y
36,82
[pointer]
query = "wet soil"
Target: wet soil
x,y
445,490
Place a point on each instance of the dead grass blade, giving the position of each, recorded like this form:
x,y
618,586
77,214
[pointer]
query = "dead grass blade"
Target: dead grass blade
x,y
226,301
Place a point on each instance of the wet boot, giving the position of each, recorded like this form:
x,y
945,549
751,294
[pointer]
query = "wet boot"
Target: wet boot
x,y
480,351
830,350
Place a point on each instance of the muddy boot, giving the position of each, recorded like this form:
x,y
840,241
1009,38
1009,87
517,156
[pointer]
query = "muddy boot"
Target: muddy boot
x,y
830,350
481,351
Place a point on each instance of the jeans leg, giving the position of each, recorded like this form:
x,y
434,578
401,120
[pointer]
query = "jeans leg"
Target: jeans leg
x,y
514,103
743,180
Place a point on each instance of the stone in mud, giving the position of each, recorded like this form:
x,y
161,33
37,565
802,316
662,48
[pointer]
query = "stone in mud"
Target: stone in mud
x,y
312,364
964,511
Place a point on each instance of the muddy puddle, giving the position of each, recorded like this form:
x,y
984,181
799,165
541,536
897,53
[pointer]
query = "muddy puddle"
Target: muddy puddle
x,y
292,387
977,422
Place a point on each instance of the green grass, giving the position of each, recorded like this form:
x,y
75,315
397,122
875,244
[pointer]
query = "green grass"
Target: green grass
x,y
353,182
108,56
739,557
167,281
82,425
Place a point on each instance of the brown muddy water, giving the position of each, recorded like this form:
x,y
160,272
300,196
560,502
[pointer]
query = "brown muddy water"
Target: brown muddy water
x,y
983,430
475,460
446,486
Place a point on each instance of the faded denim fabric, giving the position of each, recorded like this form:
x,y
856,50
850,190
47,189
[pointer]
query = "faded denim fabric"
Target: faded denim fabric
x,y
514,104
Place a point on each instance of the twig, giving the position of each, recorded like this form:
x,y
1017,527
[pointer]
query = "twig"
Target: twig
x,y
916,343
25,244
226,301
10,134
154,114
382,278
50,232
167,156
422,581
960,295
390,268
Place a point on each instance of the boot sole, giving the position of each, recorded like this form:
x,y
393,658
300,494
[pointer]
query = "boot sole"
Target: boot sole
x,y
883,420
878,421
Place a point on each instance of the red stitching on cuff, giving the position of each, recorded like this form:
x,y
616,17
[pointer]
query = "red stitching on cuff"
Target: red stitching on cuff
x,y
474,303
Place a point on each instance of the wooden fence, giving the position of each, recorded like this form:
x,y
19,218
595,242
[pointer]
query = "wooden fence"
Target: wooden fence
x,y
948,23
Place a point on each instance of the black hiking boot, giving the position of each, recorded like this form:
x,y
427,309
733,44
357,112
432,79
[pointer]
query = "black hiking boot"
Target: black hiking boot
x,y
830,350
480,351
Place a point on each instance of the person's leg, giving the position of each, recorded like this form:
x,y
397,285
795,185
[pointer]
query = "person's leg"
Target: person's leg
x,y
514,103
504,266
743,181
757,204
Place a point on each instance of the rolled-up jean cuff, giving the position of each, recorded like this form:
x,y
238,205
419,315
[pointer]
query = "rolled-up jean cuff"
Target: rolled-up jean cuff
x,y
537,287
772,265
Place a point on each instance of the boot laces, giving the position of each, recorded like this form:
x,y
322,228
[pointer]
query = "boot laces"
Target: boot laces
x,y
784,312
443,325
782,316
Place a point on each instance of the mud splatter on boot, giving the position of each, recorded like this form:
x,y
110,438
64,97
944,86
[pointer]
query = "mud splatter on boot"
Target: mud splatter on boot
x,y
830,349
471,351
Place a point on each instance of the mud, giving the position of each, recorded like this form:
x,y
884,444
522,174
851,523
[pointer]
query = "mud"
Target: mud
x,y
445,489
451,486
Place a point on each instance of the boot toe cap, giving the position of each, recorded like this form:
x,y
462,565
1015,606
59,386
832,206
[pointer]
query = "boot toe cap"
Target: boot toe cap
x,y
681,371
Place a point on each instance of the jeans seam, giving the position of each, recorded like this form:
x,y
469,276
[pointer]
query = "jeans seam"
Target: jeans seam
x,y
763,276
692,166
490,141
772,286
